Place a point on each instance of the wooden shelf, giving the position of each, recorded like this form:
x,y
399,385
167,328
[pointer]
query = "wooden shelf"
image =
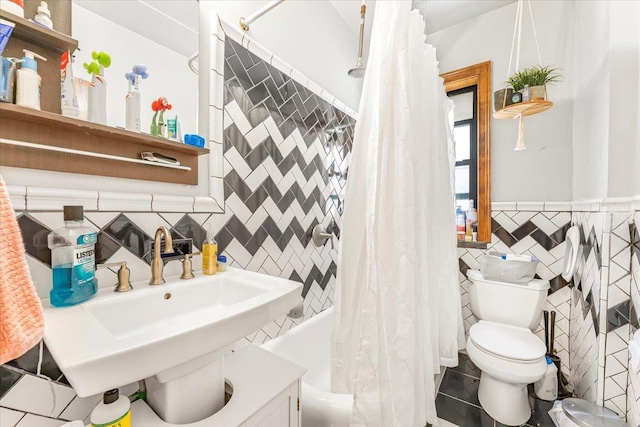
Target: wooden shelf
x,y
528,108
45,128
39,35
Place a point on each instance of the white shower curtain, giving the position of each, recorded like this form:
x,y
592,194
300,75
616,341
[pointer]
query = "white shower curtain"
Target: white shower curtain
x,y
397,316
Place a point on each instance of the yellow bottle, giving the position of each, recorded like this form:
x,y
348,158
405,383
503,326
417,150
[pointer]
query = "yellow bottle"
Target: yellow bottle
x,y
209,254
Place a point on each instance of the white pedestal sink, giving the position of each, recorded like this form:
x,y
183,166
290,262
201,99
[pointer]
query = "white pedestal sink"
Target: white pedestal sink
x,y
171,334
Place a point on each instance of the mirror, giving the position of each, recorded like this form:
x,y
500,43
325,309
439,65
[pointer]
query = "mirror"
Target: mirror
x,y
133,32
470,90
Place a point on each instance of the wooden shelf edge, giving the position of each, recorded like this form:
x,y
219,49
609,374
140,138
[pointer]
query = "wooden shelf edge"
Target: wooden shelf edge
x,y
528,108
39,35
58,121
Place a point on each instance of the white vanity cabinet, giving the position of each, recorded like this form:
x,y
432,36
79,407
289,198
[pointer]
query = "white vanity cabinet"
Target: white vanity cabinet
x,y
283,411
266,392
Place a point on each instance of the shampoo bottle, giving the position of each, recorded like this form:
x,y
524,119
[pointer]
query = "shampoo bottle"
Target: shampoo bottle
x,y
68,97
28,81
132,106
209,254
113,411
460,224
73,260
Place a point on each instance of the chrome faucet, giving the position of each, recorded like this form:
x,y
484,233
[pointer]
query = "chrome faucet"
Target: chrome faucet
x,y
157,264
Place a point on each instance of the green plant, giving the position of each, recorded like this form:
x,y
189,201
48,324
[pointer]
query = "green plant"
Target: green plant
x,y
534,76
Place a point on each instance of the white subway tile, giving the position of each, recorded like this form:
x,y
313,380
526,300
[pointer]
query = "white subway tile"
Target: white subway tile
x,y
503,206
557,206
53,199
18,197
530,206
167,203
122,202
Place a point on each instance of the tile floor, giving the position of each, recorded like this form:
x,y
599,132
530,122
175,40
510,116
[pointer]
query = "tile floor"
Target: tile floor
x,y
457,400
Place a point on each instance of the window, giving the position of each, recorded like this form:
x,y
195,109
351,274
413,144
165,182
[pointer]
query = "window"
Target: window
x,y
470,89
465,131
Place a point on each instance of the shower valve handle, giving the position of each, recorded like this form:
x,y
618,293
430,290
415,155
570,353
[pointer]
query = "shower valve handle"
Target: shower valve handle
x,y
319,236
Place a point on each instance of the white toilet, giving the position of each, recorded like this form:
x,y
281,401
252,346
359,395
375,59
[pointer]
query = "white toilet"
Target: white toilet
x,y
502,345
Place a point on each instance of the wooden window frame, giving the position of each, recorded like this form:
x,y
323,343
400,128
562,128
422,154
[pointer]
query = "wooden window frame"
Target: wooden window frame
x,y
479,75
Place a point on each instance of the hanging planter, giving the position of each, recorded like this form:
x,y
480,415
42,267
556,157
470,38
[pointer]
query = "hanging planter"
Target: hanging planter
x,y
528,85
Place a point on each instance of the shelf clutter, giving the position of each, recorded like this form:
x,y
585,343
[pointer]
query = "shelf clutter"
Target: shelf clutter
x,y
46,140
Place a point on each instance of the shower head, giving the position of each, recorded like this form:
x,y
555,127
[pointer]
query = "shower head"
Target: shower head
x,y
357,72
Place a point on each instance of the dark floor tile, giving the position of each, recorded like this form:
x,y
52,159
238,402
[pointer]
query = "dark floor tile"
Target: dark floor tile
x,y
29,362
7,380
460,413
539,412
460,386
466,366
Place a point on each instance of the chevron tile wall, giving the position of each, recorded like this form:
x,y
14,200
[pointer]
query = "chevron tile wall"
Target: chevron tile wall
x,y
536,233
633,384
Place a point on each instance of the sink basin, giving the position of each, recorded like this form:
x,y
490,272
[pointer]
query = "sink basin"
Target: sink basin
x,y
119,338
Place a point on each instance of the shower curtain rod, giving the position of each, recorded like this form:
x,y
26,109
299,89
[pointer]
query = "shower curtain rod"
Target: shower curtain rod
x,y
244,22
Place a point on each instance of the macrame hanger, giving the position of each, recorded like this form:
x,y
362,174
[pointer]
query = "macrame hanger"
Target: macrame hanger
x,y
513,44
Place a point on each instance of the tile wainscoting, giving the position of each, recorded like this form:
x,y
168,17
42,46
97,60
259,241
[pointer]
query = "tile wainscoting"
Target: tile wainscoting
x,y
285,151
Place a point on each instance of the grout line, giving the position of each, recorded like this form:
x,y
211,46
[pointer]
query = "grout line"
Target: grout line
x,y
460,400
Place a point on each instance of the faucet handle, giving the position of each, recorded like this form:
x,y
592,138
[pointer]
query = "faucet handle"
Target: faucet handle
x,y
187,266
124,280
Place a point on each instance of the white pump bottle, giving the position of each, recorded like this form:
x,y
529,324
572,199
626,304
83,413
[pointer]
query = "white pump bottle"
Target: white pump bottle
x,y
28,81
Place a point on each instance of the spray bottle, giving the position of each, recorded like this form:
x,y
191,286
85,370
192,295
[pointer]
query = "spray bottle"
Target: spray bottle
x,y
29,81
132,100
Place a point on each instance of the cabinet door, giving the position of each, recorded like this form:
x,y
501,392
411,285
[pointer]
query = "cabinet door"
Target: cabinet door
x,y
276,413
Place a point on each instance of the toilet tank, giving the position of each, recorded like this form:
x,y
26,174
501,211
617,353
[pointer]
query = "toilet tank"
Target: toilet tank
x,y
508,303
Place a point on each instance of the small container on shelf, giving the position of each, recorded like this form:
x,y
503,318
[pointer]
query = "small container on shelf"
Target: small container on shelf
x,y
222,263
43,17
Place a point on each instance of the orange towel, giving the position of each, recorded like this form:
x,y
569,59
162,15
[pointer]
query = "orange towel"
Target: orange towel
x,y
21,318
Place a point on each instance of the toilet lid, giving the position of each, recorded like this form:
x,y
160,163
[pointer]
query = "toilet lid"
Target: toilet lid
x,y
510,342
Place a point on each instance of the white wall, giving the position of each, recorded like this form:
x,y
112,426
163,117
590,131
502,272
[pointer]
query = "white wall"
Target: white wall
x,y
544,170
309,35
624,114
591,108
169,75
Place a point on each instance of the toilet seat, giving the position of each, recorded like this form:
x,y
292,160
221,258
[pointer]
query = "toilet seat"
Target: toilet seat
x,y
507,342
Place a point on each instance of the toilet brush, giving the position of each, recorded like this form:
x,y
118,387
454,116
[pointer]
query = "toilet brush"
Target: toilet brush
x,y
562,382
546,331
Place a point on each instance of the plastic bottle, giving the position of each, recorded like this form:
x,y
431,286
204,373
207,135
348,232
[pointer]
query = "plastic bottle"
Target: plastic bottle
x,y
472,213
113,411
28,81
209,254
73,260
43,17
547,387
13,6
460,223
222,263
68,97
132,106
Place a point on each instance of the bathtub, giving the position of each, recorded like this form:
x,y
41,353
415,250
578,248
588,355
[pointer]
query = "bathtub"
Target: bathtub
x,y
308,345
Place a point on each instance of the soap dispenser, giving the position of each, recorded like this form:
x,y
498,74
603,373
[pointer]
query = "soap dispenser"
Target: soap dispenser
x,y
28,81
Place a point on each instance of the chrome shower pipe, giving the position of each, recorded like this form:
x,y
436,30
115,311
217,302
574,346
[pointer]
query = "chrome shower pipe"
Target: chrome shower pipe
x,y
245,22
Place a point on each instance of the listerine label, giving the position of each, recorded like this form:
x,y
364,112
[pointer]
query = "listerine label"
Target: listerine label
x,y
84,265
87,239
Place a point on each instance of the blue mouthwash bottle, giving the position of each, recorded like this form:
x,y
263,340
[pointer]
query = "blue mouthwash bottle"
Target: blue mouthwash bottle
x,y
73,260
